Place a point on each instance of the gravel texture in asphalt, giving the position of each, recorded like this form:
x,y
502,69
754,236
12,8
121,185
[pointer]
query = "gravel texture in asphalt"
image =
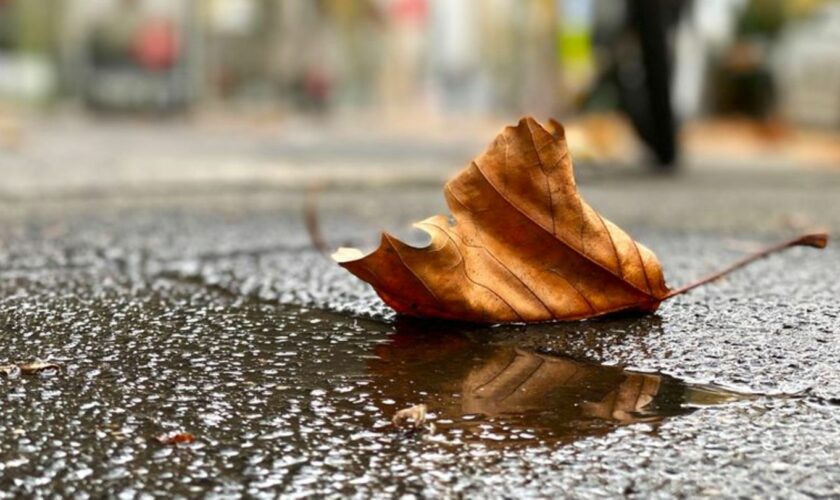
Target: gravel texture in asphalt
x,y
218,319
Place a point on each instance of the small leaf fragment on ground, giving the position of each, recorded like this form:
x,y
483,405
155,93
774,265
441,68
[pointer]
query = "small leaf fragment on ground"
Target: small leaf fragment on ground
x,y
32,368
413,417
175,437
9,370
37,367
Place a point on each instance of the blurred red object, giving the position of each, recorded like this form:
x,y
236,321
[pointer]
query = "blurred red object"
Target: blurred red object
x,y
410,11
175,438
155,45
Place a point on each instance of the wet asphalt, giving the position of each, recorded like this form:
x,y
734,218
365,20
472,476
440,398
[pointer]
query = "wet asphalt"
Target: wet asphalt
x,y
212,315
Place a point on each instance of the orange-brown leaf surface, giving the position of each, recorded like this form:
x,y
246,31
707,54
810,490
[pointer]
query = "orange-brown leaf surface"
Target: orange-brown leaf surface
x,y
524,247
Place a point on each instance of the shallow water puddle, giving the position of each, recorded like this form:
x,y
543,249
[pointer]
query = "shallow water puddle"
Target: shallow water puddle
x,y
277,398
483,390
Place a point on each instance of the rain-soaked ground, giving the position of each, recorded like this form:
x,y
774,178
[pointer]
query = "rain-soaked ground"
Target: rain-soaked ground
x,y
224,324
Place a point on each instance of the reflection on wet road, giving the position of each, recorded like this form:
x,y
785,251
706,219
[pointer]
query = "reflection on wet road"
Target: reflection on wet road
x,y
278,398
153,339
484,390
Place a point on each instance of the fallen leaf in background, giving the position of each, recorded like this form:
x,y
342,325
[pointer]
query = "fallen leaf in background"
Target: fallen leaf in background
x,y
11,132
601,139
37,367
175,437
32,368
525,247
9,370
413,417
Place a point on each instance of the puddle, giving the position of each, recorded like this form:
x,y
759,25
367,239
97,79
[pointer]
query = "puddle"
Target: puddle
x,y
483,390
277,398
168,324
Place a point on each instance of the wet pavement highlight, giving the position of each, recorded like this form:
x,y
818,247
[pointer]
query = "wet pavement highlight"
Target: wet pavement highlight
x,y
481,390
287,374
275,396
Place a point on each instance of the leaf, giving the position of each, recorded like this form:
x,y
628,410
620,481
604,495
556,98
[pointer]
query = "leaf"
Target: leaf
x,y
10,371
32,368
412,417
175,437
525,246
36,367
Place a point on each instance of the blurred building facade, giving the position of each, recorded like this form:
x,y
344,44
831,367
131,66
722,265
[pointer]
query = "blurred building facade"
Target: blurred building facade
x,y
459,56
311,54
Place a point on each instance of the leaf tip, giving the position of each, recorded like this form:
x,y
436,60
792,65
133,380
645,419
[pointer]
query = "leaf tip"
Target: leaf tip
x,y
556,129
816,240
345,254
527,120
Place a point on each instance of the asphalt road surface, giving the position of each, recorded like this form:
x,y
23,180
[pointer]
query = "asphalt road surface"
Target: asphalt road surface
x,y
209,313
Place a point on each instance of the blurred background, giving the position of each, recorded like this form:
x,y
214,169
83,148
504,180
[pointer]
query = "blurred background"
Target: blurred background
x,y
113,95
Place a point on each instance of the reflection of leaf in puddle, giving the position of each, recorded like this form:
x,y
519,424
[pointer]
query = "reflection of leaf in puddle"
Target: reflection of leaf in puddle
x,y
503,386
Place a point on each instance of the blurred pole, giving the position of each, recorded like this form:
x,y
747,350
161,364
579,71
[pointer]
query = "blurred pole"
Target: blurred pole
x,y
193,51
33,70
574,49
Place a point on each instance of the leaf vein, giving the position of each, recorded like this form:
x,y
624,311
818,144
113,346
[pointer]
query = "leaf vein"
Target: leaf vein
x,y
615,248
466,275
575,288
399,256
558,237
546,177
499,261
644,268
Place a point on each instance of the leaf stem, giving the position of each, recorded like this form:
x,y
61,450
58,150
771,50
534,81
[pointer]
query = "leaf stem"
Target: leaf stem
x,y
311,220
816,240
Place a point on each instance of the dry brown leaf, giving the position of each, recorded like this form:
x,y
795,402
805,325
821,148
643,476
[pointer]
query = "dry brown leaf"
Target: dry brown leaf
x,y
37,367
525,246
175,437
32,368
414,416
9,370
